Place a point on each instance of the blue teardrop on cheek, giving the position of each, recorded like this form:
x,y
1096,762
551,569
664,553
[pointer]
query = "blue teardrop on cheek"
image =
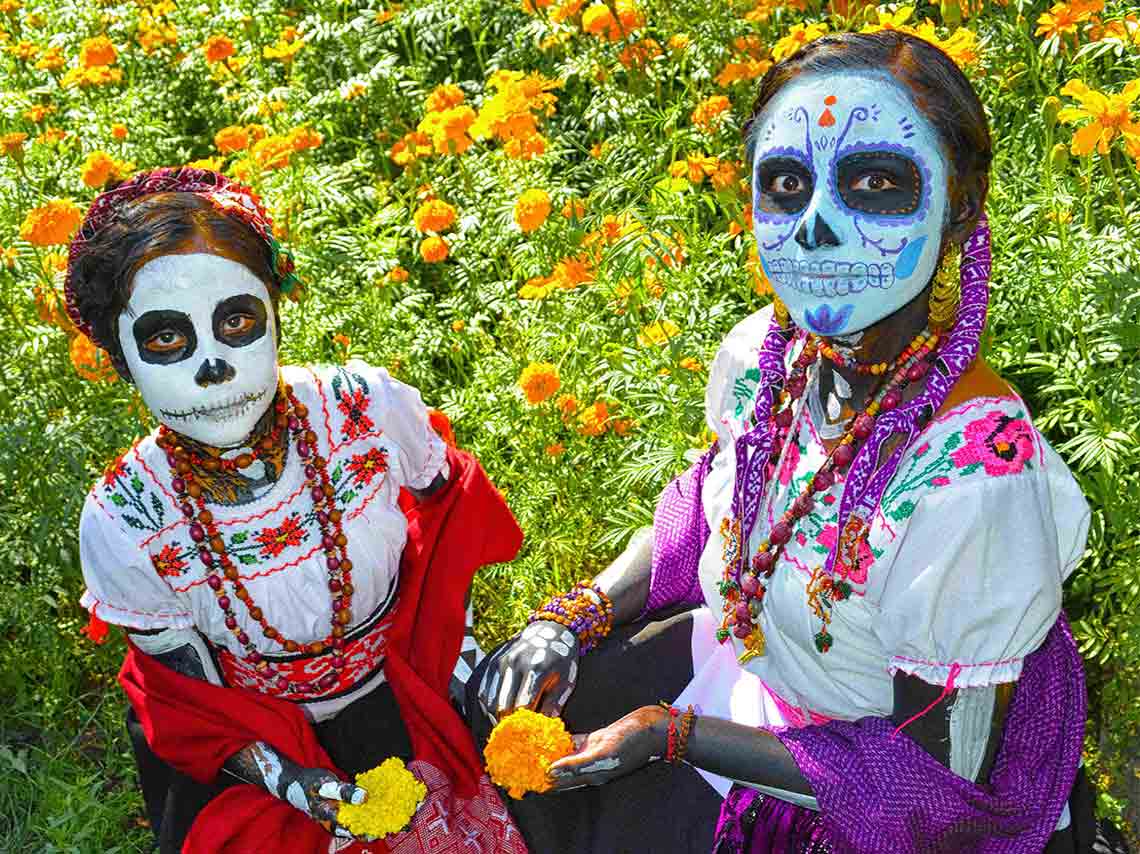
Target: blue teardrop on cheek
x,y
764,267
908,258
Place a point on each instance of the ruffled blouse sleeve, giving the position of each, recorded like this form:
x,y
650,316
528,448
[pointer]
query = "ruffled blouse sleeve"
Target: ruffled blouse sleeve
x,y
975,585
123,586
399,408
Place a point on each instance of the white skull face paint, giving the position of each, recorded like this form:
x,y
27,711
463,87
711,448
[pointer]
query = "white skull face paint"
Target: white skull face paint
x,y
200,339
849,198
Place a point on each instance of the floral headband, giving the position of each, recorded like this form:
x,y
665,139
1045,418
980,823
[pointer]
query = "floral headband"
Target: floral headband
x,y
227,196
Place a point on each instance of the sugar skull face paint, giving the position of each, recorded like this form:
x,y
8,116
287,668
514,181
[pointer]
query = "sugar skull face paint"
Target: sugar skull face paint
x,y
849,194
200,339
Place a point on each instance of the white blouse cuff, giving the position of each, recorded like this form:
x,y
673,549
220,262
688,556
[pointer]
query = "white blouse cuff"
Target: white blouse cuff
x,y
967,676
130,618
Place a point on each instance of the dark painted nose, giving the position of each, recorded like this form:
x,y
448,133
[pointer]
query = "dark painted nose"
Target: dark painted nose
x,y
214,372
820,234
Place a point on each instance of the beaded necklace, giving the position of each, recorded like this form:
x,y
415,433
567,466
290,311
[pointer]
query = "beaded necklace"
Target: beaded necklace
x,y
293,416
742,589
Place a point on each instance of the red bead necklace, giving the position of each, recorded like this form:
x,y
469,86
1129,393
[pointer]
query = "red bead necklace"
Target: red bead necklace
x,y
873,368
743,598
220,567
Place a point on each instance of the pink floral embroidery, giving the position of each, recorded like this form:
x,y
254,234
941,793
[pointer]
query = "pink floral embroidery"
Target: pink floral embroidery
x,y
353,407
856,575
941,480
921,449
999,443
789,464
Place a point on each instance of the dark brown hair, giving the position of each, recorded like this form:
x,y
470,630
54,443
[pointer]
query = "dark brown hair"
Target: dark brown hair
x,y
939,88
145,228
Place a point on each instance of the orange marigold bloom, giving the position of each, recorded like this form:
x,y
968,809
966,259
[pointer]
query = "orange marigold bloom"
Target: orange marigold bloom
x,y
598,20
412,147
218,47
91,362
51,224
97,52
640,53
38,113
434,215
709,113
398,274
232,138
690,364
566,10
567,404
574,209
303,138
434,249
99,168
532,209
443,97
12,144
539,381
521,749
594,419
273,152
52,59
571,272
555,450
119,131
680,42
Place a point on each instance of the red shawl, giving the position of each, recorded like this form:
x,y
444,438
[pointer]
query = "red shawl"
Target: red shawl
x,y
196,726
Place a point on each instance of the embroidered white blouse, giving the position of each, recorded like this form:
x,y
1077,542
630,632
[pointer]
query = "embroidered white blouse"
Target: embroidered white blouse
x,y
140,565
963,564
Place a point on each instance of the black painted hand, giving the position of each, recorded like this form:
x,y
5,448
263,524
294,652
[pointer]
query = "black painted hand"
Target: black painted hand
x,y
619,749
537,670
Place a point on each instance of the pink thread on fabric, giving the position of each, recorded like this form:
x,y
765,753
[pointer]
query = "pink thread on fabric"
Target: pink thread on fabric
x,y
955,669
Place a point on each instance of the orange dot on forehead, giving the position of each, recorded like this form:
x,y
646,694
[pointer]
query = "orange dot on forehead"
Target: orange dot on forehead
x,y
830,99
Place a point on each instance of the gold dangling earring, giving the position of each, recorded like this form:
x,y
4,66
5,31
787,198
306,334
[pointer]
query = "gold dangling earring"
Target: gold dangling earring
x,y
780,312
947,292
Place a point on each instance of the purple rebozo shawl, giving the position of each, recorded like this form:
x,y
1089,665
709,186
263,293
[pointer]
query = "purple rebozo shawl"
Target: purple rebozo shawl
x,y
879,793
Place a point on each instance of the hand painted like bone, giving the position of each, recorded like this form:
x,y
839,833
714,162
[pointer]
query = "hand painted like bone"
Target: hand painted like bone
x,y
316,792
537,670
606,754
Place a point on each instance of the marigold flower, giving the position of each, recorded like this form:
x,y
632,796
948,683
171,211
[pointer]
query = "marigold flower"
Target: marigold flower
x,y
745,69
640,53
458,325
91,362
98,168
511,114
443,97
284,50
532,209
571,272
538,287
565,10
567,404
521,749
97,52
232,138
213,164
555,450
447,129
434,249
1062,18
709,113
539,381
574,209
398,274
412,147
38,113
303,138
218,47
394,794
797,37
594,419
353,89
273,152
8,256
1109,115
12,144
119,131
434,215
623,426
679,42
53,59
52,223
658,332
691,364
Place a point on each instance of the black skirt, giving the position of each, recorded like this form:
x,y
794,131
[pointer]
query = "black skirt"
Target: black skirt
x,y
658,808
359,737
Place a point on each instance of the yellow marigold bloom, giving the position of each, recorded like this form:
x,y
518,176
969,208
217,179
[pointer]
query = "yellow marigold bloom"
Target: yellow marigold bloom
x,y
887,20
214,164
532,209
52,60
1124,30
412,147
8,256
598,20
97,52
1108,115
232,138
539,287
458,325
273,152
24,50
511,114
797,37
51,136
444,96
962,46
629,15
709,113
532,6
539,381
51,224
447,129
565,10
746,69
398,274
434,215
1062,18
555,450
283,50
99,168
49,303
680,42
594,419
12,144
691,364
696,167
91,362
574,209
640,53
119,131
760,282
394,793
434,249
352,90
38,113
658,332
96,75
521,749
726,176
303,138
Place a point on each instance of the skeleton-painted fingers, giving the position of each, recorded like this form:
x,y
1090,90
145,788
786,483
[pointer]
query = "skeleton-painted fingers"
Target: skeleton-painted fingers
x,y
605,754
537,670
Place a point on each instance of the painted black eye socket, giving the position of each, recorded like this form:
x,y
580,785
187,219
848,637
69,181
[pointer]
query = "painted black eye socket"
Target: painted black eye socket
x,y
783,185
879,182
239,320
164,337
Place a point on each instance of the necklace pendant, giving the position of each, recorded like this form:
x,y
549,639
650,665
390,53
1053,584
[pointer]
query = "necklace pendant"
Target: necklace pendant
x,y
754,646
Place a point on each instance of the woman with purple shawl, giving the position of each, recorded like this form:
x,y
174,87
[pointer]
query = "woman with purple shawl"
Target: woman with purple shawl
x,y
851,603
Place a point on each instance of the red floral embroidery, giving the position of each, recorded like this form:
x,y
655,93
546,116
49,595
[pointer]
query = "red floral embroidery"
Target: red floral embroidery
x,y
352,405
276,540
999,443
856,575
366,466
167,562
115,470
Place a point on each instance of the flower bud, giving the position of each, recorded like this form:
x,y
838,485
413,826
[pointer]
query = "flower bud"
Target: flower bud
x,y
1050,107
1059,157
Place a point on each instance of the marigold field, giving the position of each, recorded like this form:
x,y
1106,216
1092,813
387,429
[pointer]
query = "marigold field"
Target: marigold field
x,y
537,214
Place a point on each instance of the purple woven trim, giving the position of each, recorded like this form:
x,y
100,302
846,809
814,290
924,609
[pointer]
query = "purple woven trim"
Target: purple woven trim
x,y
679,536
879,793
779,827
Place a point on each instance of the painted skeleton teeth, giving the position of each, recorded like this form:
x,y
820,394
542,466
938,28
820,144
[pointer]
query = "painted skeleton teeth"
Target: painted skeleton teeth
x,y
831,278
233,408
